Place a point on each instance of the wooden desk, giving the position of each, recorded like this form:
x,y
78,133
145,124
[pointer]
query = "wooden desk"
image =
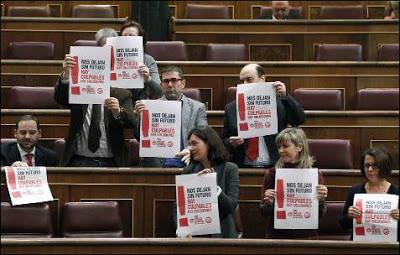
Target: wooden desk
x,y
363,128
146,195
190,246
271,40
214,78
63,32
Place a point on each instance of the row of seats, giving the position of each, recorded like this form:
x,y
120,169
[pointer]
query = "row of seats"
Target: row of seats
x,y
177,51
78,11
193,11
328,153
102,219
310,99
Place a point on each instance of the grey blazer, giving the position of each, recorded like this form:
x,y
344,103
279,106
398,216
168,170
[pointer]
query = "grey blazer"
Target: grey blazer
x,y
228,181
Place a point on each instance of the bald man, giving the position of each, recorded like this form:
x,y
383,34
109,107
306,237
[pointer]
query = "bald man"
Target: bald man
x,y
281,11
289,112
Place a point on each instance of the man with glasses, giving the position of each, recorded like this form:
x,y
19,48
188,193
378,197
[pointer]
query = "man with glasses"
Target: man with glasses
x,y
193,115
260,151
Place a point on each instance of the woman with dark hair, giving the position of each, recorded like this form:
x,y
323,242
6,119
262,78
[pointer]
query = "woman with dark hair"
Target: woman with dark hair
x,y
148,69
375,166
208,155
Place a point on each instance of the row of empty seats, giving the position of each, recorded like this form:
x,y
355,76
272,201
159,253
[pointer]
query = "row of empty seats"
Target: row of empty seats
x,y
177,51
78,11
193,11
103,219
310,99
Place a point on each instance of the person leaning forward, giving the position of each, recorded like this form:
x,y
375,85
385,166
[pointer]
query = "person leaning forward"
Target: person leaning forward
x,y
116,114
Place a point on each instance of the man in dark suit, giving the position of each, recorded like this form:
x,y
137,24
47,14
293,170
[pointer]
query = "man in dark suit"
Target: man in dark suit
x,y
109,149
280,10
266,154
26,152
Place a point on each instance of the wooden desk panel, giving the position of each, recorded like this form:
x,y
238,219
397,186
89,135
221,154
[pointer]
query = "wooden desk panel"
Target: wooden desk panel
x,y
192,246
150,193
270,40
214,78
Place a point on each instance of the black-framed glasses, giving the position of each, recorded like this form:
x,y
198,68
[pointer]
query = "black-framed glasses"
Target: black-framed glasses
x,y
367,166
172,80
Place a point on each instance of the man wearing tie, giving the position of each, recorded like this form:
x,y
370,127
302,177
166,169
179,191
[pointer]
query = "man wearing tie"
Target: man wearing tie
x,y
260,151
26,152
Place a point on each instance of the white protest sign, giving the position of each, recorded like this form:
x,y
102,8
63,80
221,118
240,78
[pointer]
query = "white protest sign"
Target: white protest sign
x,y
89,81
296,202
27,185
256,110
126,54
197,204
160,129
375,223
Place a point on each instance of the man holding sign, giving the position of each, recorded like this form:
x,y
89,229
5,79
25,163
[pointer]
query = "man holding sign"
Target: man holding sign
x,y
96,131
259,151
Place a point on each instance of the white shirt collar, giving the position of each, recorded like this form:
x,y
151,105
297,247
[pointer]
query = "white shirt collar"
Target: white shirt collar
x,y
23,153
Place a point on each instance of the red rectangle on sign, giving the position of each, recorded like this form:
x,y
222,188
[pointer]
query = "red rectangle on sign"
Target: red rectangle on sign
x,y
113,76
281,215
183,222
146,143
360,231
76,90
243,126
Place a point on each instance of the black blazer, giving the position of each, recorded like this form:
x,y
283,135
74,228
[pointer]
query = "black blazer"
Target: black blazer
x,y
43,156
289,112
114,127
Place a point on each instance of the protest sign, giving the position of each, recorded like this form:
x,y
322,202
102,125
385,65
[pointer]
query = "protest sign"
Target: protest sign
x,y
197,204
296,202
89,80
27,185
160,129
256,110
126,55
375,223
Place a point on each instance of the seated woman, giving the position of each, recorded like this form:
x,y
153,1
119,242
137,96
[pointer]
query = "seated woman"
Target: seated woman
x,y
375,167
208,154
294,153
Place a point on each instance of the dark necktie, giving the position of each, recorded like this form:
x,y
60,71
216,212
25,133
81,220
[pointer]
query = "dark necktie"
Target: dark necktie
x,y
252,148
29,159
94,129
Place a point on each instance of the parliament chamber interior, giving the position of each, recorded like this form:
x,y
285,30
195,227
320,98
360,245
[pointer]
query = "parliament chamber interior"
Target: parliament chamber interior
x,y
338,59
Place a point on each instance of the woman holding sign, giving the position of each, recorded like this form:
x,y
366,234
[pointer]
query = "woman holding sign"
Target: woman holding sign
x,y
294,153
209,155
375,167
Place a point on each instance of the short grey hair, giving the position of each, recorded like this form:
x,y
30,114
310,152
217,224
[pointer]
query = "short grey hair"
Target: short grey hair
x,y
105,33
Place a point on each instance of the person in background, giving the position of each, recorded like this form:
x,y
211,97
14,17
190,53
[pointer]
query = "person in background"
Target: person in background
x,y
104,123
294,153
148,69
208,155
193,115
281,11
26,151
392,10
375,167
260,151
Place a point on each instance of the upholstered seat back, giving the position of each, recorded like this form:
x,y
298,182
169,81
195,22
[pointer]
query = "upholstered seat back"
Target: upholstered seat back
x,y
167,50
91,219
388,52
92,11
32,98
329,227
198,11
319,99
31,50
28,11
378,99
226,52
339,52
26,221
342,12
331,153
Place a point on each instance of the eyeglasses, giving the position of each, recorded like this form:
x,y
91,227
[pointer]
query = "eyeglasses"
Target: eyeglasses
x,y
172,80
367,166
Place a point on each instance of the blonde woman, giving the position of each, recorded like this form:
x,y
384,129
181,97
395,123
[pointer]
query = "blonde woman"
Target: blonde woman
x,y
293,153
